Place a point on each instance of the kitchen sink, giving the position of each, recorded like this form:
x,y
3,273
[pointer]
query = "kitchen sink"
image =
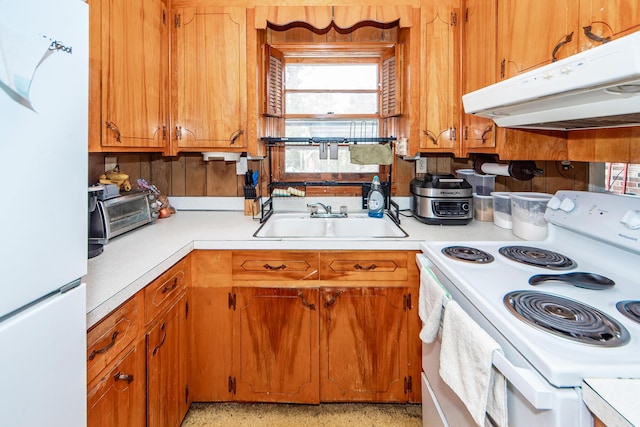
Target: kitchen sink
x,y
297,225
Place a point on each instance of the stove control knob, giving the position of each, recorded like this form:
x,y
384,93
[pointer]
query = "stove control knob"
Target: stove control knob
x,y
554,203
631,220
567,205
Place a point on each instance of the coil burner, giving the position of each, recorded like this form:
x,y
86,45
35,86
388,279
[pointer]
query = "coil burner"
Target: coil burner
x,y
538,257
467,254
630,309
566,318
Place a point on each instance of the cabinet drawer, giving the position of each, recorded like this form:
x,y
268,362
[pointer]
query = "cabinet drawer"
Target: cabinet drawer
x,y
162,292
364,265
109,337
274,265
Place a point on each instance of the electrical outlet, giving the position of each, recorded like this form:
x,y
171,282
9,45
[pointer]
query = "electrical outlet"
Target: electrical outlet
x,y
110,162
421,165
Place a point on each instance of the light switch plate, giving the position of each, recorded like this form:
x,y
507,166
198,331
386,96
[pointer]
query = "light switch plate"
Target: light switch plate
x,y
241,166
421,165
110,162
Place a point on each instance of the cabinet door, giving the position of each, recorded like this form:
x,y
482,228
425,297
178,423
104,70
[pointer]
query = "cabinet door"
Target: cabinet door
x,y
135,55
211,350
363,345
276,345
479,56
439,84
117,397
531,33
209,63
167,352
605,20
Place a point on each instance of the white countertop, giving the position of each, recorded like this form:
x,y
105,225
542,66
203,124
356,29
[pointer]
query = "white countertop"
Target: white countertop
x,y
131,261
613,400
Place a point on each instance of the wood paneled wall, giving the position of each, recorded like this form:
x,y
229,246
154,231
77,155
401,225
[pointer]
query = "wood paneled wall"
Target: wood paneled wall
x,y
190,175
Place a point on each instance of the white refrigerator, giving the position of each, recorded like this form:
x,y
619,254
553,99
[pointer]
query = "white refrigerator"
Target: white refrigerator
x,y
43,211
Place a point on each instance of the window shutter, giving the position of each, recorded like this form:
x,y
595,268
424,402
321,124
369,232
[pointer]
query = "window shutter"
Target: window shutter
x,y
390,83
274,85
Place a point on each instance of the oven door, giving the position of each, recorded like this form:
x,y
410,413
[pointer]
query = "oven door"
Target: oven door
x,y
531,400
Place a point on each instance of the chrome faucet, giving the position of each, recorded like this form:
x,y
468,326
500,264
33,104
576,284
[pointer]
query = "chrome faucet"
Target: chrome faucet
x,y
314,207
327,209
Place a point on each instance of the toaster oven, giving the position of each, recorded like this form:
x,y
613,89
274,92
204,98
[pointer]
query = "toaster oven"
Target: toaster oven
x,y
115,216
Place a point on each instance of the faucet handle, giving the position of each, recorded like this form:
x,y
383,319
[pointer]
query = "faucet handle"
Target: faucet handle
x,y
343,209
314,208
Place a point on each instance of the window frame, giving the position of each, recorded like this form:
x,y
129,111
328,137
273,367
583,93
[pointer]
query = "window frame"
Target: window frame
x,y
339,53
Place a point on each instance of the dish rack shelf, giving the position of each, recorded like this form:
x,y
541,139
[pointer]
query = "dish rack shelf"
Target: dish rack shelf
x,y
266,207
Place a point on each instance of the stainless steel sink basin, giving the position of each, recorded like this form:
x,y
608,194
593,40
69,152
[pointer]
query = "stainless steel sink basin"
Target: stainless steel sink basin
x,y
297,225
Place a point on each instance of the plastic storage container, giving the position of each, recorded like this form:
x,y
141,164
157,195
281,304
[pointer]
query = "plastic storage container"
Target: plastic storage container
x,y
375,199
502,209
484,184
527,215
482,207
469,176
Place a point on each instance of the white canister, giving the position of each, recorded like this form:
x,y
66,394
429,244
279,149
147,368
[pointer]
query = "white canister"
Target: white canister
x,y
502,209
527,215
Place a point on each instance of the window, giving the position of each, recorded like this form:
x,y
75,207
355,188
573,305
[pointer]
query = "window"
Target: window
x,y
622,178
329,100
325,96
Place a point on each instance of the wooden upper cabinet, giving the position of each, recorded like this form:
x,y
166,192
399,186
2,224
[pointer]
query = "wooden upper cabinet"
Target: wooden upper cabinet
x,y
532,33
605,20
210,69
479,56
276,345
439,81
133,75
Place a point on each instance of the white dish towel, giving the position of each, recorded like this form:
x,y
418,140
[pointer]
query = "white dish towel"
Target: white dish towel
x,y
431,298
466,366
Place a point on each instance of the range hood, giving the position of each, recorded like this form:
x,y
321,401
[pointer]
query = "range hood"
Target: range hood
x,y
597,88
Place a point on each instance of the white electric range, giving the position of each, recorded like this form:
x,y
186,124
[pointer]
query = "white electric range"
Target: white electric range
x,y
544,365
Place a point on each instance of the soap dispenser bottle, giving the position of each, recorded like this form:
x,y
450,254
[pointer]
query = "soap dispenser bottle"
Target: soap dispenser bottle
x,y
375,199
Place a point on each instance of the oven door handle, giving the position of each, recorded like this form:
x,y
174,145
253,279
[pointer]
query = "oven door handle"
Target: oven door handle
x,y
533,388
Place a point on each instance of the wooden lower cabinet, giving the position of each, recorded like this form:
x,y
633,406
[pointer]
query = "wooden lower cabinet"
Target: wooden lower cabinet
x,y
275,342
166,350
211,333
363,344
116,398
350,337
137,370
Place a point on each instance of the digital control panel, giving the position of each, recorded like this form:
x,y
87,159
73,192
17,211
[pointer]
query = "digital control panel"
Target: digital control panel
x,y
451,208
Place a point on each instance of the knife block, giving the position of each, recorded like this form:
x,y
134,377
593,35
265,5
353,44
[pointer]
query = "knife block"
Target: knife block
x,y
251,207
